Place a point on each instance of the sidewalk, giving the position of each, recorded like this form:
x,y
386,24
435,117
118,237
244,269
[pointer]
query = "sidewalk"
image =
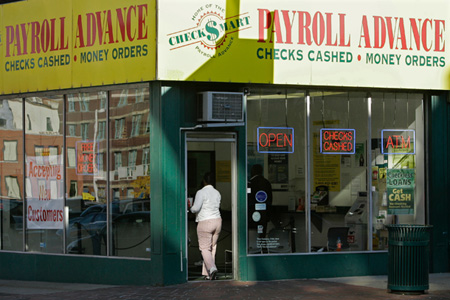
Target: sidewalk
x,y
349,288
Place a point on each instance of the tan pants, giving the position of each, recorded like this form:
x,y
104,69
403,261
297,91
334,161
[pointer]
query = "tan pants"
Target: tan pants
x,y
208,233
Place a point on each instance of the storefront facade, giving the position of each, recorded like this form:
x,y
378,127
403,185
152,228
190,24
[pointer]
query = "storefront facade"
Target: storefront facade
x,y
111,113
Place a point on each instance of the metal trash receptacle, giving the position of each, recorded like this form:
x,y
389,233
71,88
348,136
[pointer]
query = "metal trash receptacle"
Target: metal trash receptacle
x,y
408,263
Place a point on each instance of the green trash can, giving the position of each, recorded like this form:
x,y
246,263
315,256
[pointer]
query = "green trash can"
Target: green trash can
x,y
408,263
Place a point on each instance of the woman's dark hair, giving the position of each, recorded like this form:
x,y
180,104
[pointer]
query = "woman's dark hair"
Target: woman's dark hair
x,y
256,170
208,178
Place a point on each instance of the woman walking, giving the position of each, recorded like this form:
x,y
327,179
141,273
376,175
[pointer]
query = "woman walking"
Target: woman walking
x,y
206,207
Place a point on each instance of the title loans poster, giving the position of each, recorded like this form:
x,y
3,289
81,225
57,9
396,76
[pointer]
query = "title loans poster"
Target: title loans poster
x,y
374,43
56,44
45,203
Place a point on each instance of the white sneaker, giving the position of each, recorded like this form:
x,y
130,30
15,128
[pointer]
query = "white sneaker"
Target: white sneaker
x,y
212,273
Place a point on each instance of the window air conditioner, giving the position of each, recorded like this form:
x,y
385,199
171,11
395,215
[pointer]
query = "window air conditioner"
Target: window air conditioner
x,y
220,107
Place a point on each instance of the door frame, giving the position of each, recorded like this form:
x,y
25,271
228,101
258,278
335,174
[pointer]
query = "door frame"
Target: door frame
x,y
215,137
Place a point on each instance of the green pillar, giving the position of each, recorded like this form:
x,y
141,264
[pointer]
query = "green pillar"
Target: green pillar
x,y
439,208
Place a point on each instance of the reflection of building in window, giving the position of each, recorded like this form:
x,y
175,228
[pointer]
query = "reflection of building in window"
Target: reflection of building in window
x,y
28,189
49,124
29,122
146,160
72,130
12,187
117,160
103,96
73,191
132,158
71,157
120,128
45,116
123,98
131,162
136,125
10,150
140,95
130,193
101,193
116,194
146,156
84,102
39,152
84,131
53,158
147,127
100,164
71,101
101,130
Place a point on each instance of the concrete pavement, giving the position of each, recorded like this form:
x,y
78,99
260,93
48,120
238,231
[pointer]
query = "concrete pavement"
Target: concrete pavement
x,y
349,288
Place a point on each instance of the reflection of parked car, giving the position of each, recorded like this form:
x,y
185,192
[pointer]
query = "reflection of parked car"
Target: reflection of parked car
x,y
12,209
137,205
87,233
88,226
131,234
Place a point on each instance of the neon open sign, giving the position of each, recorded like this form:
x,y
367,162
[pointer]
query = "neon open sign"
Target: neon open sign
x,y
275,139
398,141
337,141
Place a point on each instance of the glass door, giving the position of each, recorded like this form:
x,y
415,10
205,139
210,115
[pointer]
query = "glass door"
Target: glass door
x,y
213,153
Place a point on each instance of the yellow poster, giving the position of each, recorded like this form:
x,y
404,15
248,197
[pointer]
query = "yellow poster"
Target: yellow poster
x,y
223,171
58,44
327,168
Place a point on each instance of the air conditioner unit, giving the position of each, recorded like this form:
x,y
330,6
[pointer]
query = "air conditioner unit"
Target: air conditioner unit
x,y
220,107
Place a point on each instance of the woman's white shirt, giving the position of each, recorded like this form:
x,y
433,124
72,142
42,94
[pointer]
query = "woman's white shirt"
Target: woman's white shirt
x,y
206,204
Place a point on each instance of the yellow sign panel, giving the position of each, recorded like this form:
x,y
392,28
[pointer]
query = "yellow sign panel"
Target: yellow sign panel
x,y
56,44
36,46
223,171
113,41
327,168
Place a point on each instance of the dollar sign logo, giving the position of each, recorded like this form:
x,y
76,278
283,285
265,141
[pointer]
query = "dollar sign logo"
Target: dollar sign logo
x,y
210,27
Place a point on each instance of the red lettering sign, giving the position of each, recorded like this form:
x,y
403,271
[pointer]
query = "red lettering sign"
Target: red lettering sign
x,y
86,158
275,140
398,141
337,141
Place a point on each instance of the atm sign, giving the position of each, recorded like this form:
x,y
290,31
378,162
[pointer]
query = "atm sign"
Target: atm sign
x,y
337,141
275,139
398,141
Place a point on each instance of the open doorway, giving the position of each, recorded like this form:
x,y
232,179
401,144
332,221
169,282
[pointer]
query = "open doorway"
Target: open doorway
x,y
216,153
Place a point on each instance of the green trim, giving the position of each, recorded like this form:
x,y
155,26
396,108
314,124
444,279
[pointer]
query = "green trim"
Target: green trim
x,y
68,268
265,267
439,208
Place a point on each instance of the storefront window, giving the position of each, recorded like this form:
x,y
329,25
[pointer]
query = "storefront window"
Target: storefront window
x,y
364,169
276,171
339,200
85,178
66,173
130,180
398,163
11,175
44,174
